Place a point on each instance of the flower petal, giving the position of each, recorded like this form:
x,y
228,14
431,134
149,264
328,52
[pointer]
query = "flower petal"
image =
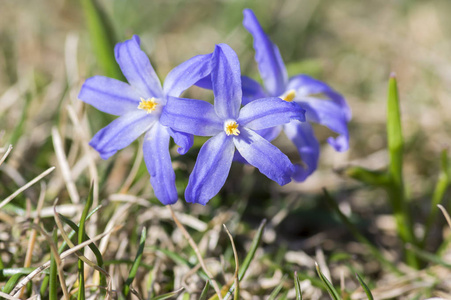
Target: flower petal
x,y
205,83
159,165
187,74
303,137
267,55
306,86
263,155
331,115
183,140
136,67
109,95
121,132
251,90
191,116
211,169
269,112
226,82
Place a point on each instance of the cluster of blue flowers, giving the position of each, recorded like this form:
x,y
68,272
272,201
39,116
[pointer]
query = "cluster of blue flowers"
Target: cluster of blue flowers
x,y
240,133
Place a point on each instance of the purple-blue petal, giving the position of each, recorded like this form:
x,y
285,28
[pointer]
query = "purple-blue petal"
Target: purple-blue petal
x,y
305,86
182,139
187,74
226,82
270,63
251,90
303,137
271,133
121,132
109,95
211,169
205,83
136,67
269,112
263,155
159,165
191,116
331,115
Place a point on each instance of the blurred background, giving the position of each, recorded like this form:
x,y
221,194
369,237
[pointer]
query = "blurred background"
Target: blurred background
x,y
46,53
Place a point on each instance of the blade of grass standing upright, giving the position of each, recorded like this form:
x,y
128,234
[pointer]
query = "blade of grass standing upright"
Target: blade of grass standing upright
x,y
102,38
81,239
135,266
327,284
247,261
439,192
396,188
364,286
53,280
297,286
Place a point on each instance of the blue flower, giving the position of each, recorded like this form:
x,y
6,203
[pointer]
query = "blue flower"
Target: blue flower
x,y
303,90
232,128
139,105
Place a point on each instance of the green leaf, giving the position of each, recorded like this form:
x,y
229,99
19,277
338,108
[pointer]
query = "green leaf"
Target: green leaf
x,y
249,257
81,239
168,295
439,192
373,178
204,293
297,286
395,190
329,287
102,38
135,266
53,279
12,282
277,290
364,286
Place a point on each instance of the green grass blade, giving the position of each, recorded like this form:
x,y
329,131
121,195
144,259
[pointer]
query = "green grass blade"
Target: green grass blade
x,y
429,256
353,229
204,293
74,232
297,286
81,239
327,284
373,178
92,246
53,279
249,257
439,192
277,290
135,266
395,143
102,37
11,283
168,295
364,286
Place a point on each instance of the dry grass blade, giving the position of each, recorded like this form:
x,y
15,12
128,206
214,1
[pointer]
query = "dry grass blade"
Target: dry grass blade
x,y
26,186
197,251
91,163
445,213
237,263
58,259
10,147
71,245
33,233
64,165
6,296
63,255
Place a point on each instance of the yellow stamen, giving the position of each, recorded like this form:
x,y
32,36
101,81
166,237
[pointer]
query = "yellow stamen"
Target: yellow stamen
x,y
231,127
288,96
148,105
